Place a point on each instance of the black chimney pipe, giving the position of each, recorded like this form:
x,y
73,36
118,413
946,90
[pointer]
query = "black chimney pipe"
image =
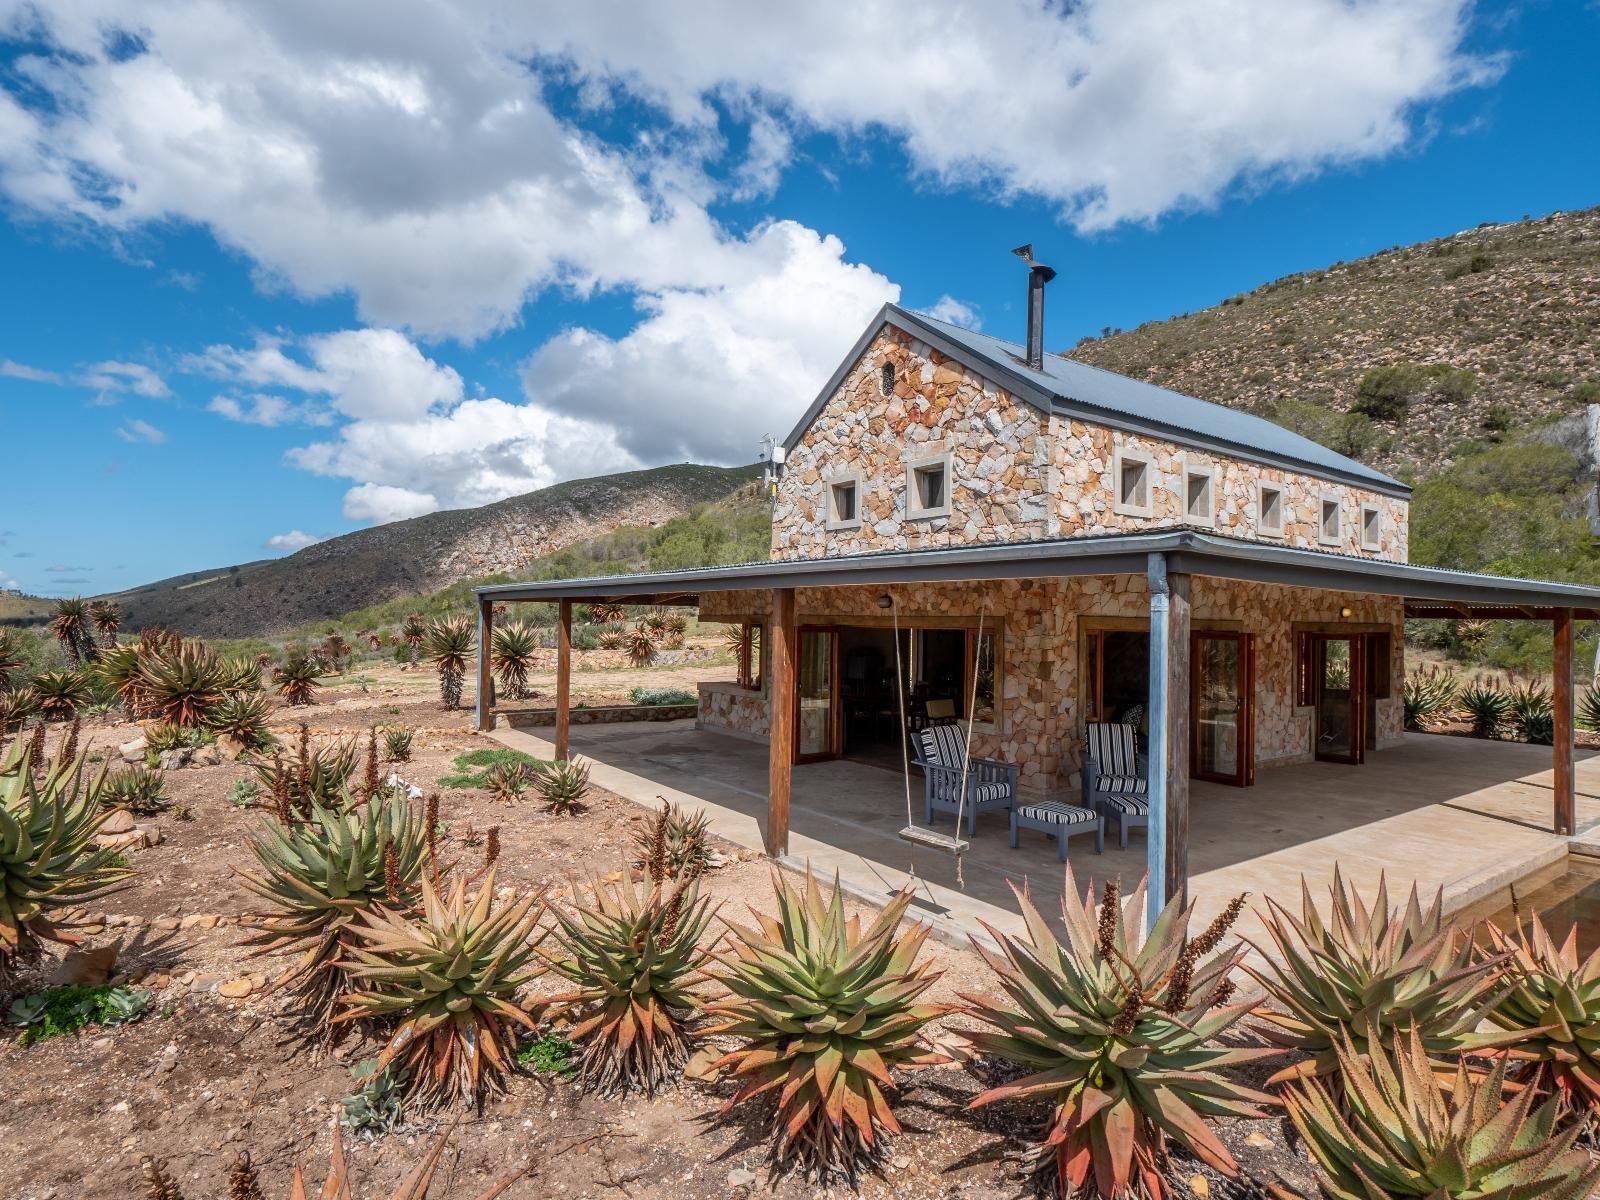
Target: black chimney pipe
x,y
1038,276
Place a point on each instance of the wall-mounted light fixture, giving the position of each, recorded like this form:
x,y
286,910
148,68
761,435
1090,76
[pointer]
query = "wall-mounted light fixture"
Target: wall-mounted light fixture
x,y
886,601
1347,612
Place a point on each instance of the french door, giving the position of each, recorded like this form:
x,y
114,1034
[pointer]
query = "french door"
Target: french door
x,y
816,719
1222,707
1338,677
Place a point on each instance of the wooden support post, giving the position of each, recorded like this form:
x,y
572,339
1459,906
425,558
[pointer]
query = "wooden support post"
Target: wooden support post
x,y
1566,799
1167,835
564,683
780,719
483,702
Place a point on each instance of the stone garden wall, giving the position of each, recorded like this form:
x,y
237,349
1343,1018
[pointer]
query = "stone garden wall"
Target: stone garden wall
x,y
1015,473
1040,694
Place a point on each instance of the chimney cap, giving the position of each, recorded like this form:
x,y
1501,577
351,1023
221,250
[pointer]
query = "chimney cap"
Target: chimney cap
x,y
1025,253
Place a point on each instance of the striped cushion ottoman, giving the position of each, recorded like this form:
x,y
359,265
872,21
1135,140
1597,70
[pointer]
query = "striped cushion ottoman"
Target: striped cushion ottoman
x,y
1059,820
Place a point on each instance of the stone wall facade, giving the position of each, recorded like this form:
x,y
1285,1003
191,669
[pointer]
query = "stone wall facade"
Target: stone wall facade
x,y
1015,473
1041,691
730,708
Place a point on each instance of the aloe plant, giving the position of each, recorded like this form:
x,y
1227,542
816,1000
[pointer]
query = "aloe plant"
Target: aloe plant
x,y
1369,970
1119,1035
631,955
825,1012
1397,1130
1553,1008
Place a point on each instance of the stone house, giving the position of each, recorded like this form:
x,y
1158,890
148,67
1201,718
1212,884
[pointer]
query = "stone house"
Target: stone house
x,y
965,528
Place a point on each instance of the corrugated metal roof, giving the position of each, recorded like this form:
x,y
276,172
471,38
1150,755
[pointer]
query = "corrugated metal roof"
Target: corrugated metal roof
x,y
1102,554
1077,384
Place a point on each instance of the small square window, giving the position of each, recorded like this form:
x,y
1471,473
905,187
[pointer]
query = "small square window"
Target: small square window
x,y
1133,486
1269,518
1332,527
1198,495
928,487
844,501
1371,527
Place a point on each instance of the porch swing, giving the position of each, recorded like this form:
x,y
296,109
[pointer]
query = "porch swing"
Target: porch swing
x,y
919,834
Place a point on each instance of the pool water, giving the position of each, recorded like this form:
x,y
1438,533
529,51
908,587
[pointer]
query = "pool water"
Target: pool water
x,y
1572,894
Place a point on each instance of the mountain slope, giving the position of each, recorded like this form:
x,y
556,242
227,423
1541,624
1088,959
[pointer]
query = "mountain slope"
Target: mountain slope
x,y
420,555
1483,332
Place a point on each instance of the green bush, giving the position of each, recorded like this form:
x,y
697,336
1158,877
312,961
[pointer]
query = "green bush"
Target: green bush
x,y
657,697
1385,393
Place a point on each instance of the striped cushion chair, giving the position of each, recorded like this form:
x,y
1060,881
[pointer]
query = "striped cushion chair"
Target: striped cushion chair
x,y
1114,777
991,786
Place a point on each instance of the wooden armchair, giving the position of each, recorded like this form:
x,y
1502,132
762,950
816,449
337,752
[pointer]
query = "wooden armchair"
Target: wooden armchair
x,y
1115,777
991,785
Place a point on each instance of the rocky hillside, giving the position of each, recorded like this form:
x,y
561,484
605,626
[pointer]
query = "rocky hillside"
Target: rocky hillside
x,y
1402,358
421,555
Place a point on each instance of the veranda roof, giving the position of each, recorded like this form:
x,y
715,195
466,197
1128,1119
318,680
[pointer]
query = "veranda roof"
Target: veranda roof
x,y
1428,591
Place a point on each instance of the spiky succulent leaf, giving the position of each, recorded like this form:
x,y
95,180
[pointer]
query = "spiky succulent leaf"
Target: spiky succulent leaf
x,y
562,785
17,704
242,716
297,679
631,956
319,875
825,1012
449,975
1553,1007
1396,1129
1118,1033
1371,968
512,655
138,789
183,686
48,858
450,644
686,845
60,694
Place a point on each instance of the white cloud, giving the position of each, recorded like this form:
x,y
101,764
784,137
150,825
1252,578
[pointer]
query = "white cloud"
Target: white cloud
x,y
16,370
295,539
956,312
422,170
707,372
380,503
117,377
137,431
265,408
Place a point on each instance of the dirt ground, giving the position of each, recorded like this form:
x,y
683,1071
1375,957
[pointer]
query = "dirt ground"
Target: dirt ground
x,y
209,1073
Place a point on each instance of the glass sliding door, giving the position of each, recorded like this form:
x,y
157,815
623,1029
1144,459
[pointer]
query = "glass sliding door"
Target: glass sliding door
x,y
816,695
1338,701
1222,707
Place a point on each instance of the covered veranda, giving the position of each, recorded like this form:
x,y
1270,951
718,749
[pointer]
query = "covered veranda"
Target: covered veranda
x,y
1188,824
1463,815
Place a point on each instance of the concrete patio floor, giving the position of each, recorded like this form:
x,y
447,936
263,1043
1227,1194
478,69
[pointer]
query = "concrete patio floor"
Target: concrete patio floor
x,y
1467,815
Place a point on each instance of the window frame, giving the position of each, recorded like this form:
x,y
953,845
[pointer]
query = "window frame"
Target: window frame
x,y
852,479
1372,518
1123,456
752,656
1263,529
1337,537
915,510
1208,472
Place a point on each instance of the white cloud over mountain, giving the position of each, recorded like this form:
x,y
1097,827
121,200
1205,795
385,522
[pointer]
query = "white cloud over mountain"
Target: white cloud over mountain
x,y
406,153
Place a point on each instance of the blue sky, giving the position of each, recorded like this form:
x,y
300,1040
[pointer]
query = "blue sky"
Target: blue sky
x,y
278,271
